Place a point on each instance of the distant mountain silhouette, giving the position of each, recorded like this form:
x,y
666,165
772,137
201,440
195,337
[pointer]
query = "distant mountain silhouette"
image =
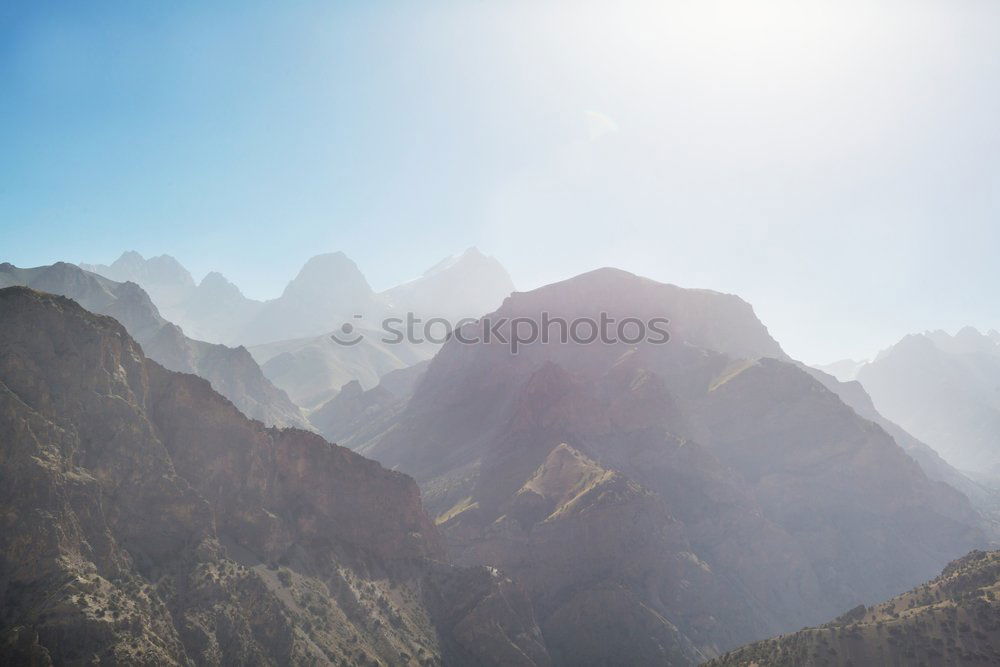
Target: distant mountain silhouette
x,y
289,335
945,390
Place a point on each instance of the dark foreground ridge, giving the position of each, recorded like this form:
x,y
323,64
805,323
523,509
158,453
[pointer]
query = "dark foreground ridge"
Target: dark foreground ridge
x,y
145,520
952,620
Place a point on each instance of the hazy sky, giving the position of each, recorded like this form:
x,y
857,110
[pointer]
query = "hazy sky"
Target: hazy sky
x,y
836,164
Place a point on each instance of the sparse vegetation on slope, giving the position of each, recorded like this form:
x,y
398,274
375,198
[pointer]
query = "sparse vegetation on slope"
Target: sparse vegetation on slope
x,y
952,620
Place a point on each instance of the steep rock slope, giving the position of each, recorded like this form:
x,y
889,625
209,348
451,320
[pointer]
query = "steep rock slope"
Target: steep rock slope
x,y
232,371
756,498
952,620
145,520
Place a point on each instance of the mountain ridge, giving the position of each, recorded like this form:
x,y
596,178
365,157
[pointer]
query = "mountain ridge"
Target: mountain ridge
x,y
949,620
147,521
231,370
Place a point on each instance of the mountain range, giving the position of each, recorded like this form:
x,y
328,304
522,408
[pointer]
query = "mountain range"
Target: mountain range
x,y
290,336
665,502
328,291
571,503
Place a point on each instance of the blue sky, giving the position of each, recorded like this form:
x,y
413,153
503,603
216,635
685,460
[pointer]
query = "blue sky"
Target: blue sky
x,y
836,164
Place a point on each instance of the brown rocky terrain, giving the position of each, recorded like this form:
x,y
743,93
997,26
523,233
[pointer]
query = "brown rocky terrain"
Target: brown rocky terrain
x,y
232,371
665,502
952,620
145,520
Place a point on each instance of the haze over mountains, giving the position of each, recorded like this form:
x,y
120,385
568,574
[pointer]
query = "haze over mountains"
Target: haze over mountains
x,y
664,502
328,291
645,502
945,390
289,335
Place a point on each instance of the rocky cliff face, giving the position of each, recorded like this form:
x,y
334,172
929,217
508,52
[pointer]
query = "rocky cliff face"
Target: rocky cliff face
x,y
145,520
951,620
232,371
692,493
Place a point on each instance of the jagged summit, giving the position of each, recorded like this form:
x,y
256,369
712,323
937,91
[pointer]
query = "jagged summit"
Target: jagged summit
x,y
163,270
328,290
324,271
216,285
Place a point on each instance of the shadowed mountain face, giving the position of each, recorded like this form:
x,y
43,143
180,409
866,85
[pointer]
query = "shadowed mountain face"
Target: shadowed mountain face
x,y
354,415
662,501
951,620
232,371
147,521
945,390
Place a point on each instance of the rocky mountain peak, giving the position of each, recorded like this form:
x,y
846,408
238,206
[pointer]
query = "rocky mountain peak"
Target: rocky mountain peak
x,y
328,272
216,285
161,270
